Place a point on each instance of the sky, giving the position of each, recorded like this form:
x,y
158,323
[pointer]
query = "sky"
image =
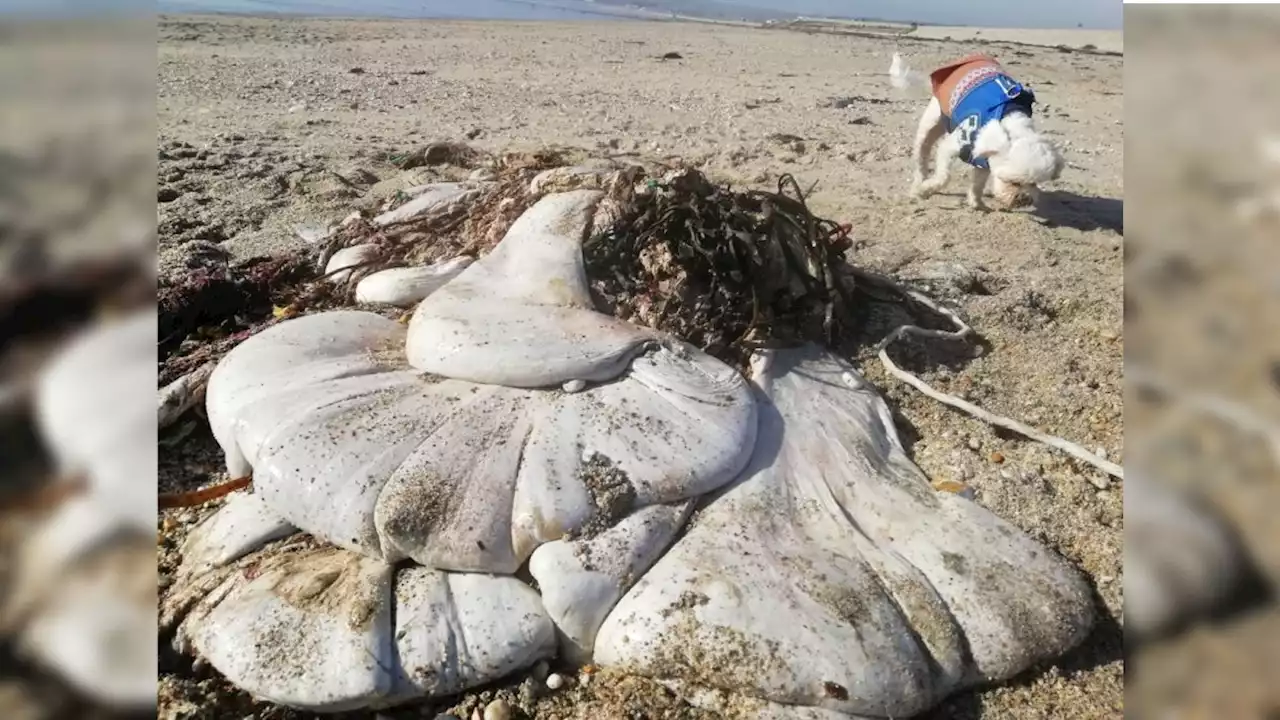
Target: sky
x,y
1104,14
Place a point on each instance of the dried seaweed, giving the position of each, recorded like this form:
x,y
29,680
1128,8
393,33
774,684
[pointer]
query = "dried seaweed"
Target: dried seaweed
x,y
214,308
727,271
470,229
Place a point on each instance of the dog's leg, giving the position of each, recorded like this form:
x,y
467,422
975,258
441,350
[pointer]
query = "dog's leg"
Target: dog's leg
x,y
977,186
947,149
930,130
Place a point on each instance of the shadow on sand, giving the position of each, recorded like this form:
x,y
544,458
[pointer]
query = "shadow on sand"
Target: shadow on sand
x,y
1081,212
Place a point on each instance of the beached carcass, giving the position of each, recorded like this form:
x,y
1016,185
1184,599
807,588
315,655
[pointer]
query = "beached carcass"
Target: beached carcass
x,y
620,436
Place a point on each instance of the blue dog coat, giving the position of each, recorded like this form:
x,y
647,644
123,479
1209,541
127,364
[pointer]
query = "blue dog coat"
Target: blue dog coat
x,y
974,91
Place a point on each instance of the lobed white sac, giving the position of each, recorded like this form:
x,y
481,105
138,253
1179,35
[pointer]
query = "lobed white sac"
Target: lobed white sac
x,y
345,443
347,260
428,199
348,443
832,577
1180,561
243,524
81,590
407,286
315,629
522,315
87,413
582,579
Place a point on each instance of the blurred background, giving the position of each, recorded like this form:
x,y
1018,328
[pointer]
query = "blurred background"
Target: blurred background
x,y
1202,361
77,257
77,252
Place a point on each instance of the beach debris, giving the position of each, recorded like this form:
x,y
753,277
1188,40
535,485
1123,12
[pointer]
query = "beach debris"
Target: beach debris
x,y
497,710
438,153
81,599
182,394
730,272
428,199
671,56
348,260
895,595
519,320
635,387
1182,562
406,287
313,233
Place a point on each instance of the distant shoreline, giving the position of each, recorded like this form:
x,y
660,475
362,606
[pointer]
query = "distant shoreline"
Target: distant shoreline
x,y
607,12
1093,41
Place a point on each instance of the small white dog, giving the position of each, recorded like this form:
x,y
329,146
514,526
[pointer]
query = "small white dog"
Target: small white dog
x,y
982,116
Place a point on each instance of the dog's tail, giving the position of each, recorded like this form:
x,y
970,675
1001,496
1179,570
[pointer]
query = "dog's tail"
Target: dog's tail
x,y
904,78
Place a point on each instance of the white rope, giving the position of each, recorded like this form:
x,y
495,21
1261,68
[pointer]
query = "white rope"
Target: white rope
x,y
1230,412
962,332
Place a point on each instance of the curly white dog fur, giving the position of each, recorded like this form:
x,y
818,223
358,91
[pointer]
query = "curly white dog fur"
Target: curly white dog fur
x,y
980,115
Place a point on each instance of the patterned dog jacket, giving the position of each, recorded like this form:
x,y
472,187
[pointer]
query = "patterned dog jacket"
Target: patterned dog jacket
x,y
973,91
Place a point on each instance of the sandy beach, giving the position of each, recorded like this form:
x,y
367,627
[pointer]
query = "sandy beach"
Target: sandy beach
x,y
268,124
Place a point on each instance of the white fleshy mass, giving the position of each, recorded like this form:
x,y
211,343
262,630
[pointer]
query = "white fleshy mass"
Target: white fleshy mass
x,y
81,590
346,442
510,422
1179,560
348,260
833,576
314,629
407,286
428,199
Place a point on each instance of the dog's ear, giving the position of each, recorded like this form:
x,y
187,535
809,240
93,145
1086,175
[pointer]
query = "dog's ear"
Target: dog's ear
x,y
992,139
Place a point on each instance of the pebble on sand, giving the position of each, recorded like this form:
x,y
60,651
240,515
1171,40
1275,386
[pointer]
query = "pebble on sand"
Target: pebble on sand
x,y
497,710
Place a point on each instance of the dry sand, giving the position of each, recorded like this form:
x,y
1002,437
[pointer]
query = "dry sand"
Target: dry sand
x,y
257,118
1204,313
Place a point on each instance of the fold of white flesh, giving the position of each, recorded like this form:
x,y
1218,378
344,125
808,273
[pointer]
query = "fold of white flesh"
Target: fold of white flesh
x,y
316,630
89,413
1179,560
346,260
582,579
832,576
522,316
429,199
467,466
243,524
455,475
407,286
